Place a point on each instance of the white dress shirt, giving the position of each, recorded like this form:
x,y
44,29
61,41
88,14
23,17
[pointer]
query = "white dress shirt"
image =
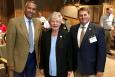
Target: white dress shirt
x,y
107,21
27,26
79,32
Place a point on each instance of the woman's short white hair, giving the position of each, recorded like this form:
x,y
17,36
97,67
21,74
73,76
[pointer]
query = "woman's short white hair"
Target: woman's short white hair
x,y
55,15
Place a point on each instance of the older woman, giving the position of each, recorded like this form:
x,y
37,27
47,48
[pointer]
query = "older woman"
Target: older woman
x,y
55,55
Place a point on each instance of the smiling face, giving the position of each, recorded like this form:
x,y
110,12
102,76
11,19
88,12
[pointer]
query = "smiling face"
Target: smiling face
x,y
30,10
84,17
55,23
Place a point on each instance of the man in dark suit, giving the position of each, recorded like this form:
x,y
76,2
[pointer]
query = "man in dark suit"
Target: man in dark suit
x,y
88,46
23,43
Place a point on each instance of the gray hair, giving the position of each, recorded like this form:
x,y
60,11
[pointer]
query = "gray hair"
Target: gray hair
x,y
56,15
31,1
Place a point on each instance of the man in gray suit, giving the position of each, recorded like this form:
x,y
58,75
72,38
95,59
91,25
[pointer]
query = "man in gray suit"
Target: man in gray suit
x,y
23,43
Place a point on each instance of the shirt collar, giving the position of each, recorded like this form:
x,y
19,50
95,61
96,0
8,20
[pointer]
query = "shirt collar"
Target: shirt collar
x,y
85,26
111,15
26,19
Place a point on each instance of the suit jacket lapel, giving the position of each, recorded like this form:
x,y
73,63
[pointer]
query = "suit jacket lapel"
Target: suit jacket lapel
x,y
24,28
59,37
35,29
48,41
25,31
58,41
87,34
76,33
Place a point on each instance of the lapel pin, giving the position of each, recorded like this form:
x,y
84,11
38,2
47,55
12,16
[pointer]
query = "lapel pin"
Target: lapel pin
x,y
60,36
64,27
89,28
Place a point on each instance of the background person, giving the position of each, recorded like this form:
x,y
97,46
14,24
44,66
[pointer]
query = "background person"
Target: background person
x,y
106,22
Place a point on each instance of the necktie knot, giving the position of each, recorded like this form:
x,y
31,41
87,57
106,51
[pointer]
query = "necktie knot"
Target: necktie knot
x,y
29,21
83,27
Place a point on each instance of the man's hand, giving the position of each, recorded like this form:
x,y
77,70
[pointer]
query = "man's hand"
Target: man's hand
x,y
112,28
70,74
42,72
10,68
99,74
10,71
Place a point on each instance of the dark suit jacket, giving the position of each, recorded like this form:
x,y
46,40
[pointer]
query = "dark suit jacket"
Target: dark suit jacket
x,y
62,54
89,58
